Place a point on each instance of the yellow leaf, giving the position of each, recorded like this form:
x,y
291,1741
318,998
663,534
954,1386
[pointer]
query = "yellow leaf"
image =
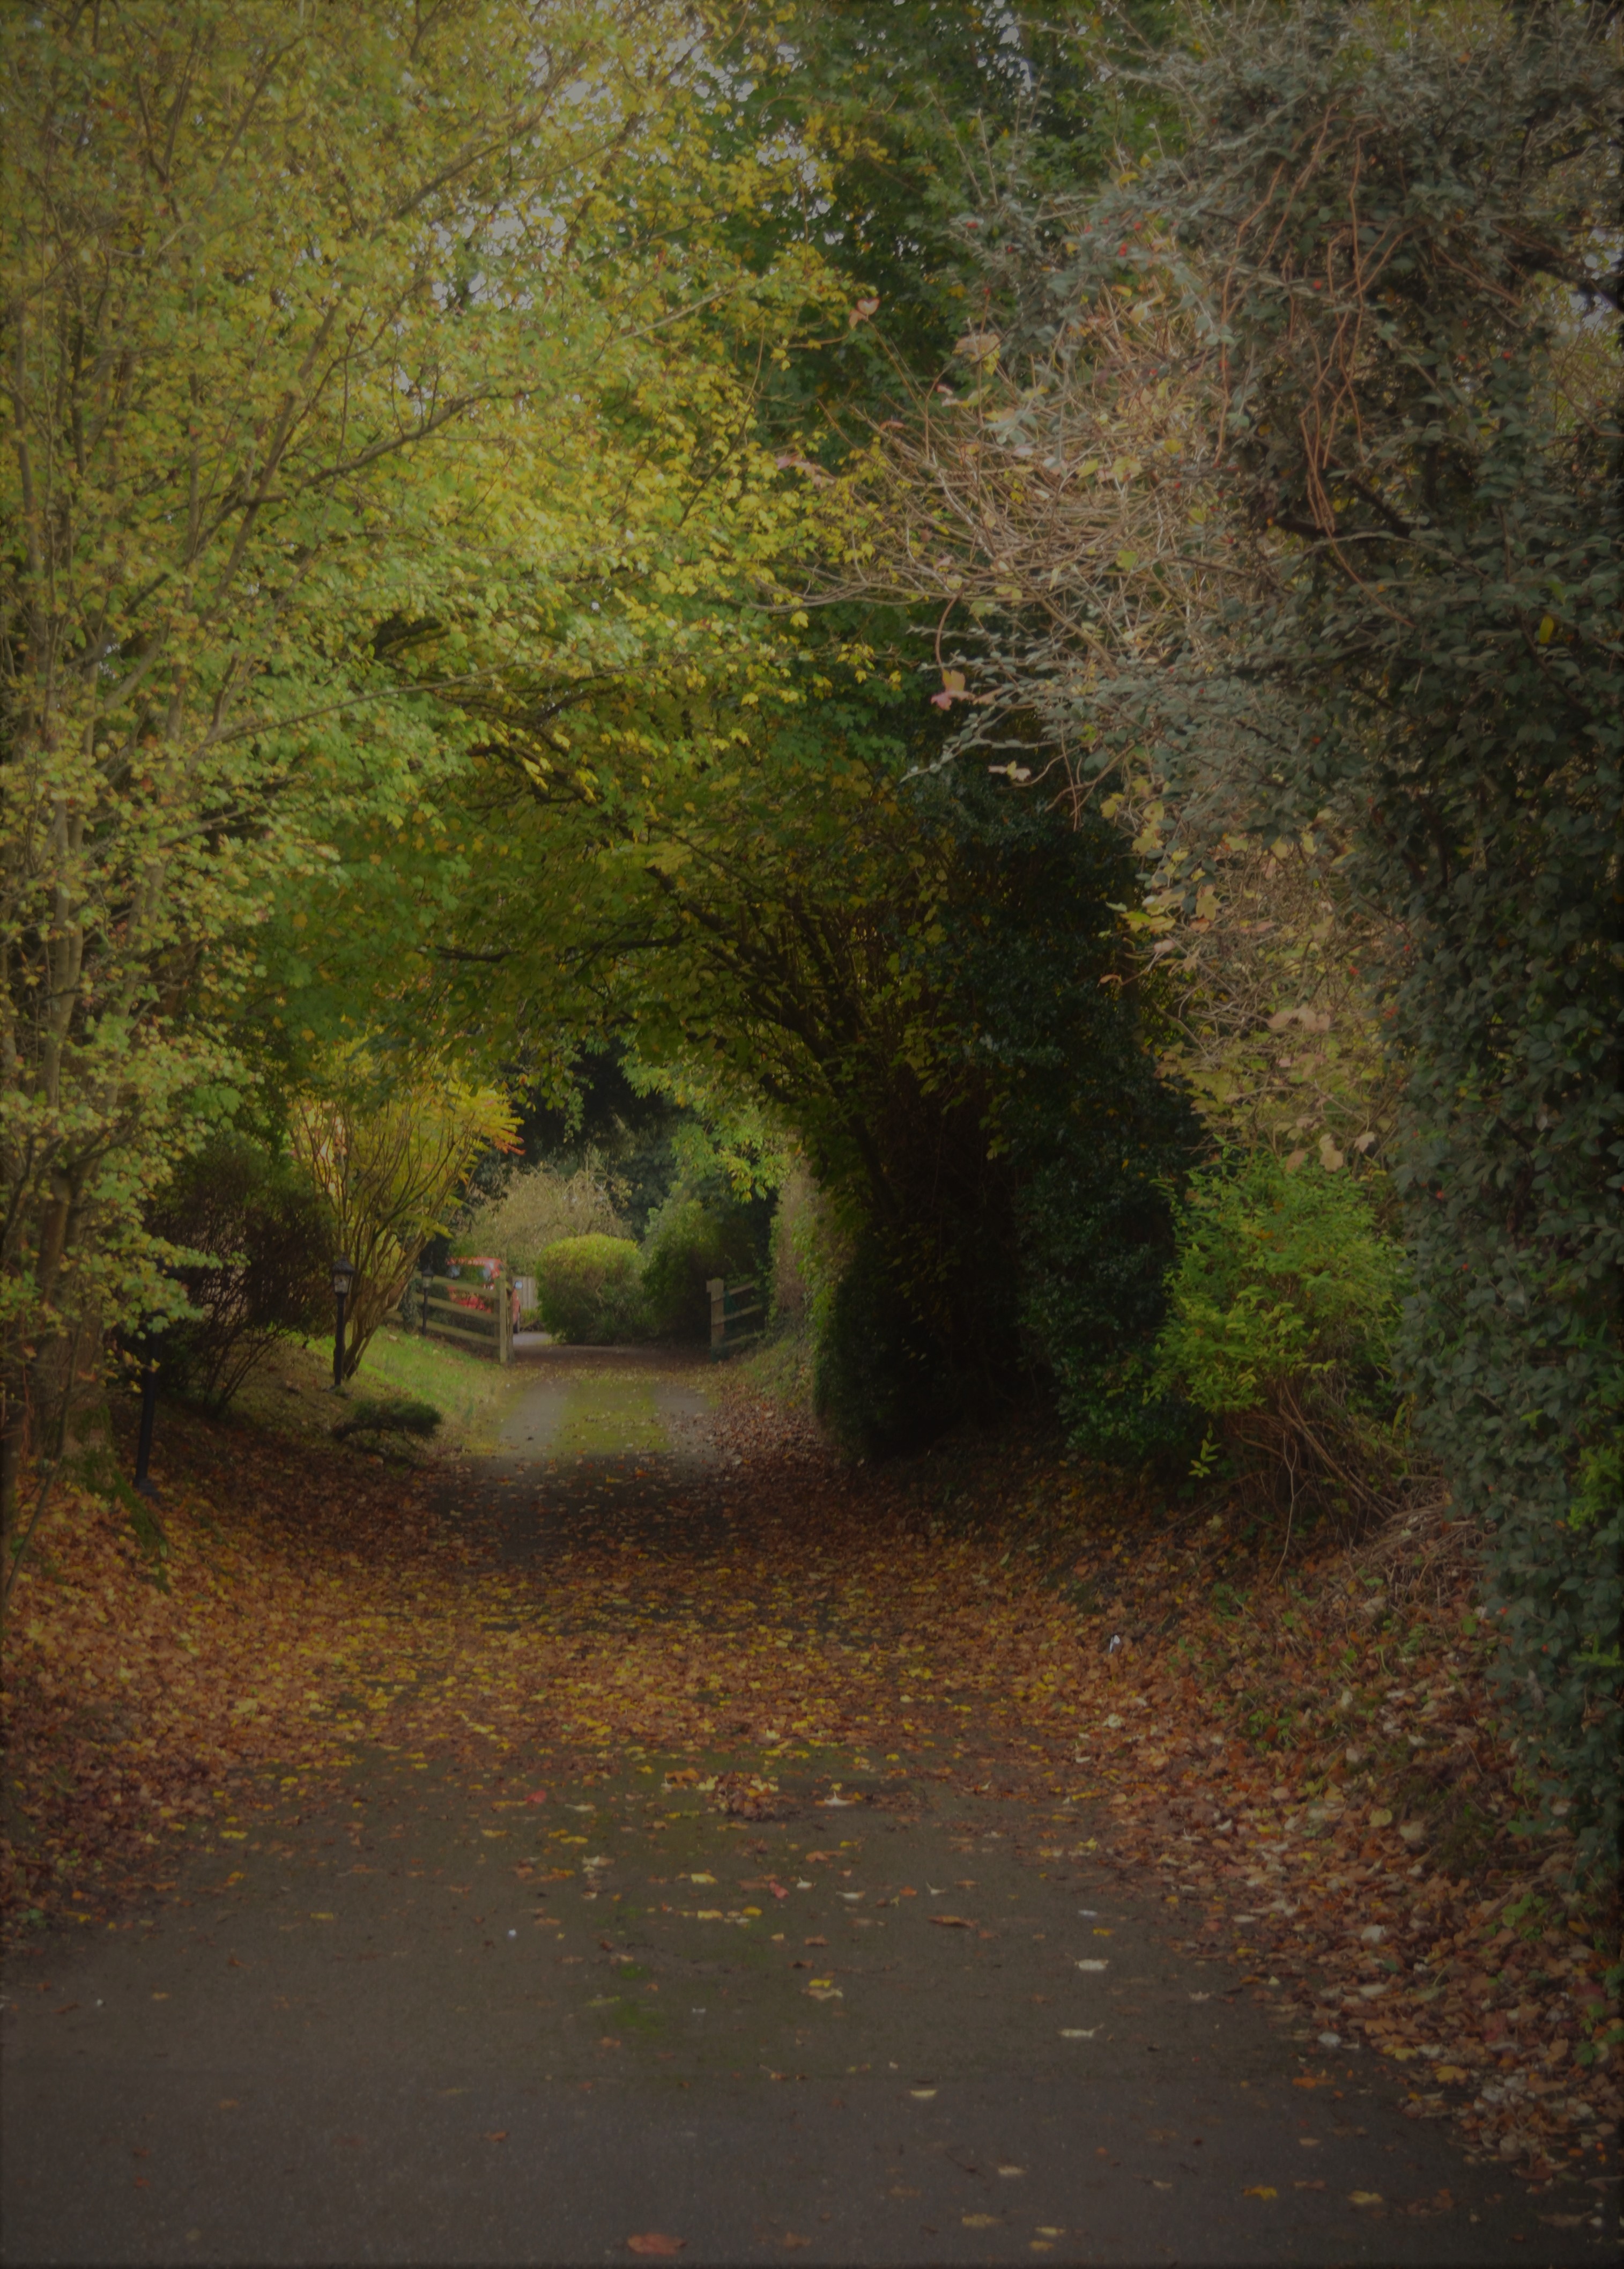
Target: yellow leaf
x,y
1259,2190
1548,630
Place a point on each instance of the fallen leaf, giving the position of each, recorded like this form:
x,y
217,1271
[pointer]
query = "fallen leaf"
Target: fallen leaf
x,y
496,2135
979,2220
1260,2190
1364,2198
952,1922
655,2240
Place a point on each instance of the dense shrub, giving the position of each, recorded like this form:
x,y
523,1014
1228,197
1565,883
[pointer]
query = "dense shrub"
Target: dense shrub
x,y
389,1413
265,1242
1283,1308
688,1242
882,1385
589,1289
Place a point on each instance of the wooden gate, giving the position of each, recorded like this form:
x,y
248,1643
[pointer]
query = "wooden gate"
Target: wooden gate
x,y
737,1312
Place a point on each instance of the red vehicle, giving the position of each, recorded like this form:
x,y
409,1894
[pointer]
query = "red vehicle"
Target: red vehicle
x,y
480,1268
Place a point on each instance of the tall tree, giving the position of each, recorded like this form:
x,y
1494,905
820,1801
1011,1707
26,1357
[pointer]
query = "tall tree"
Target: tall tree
x,y
309,318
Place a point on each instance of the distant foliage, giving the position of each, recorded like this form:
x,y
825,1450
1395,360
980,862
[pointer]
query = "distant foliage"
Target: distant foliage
x,y
1284,1308
259,1245
688,1242
589,1290
539,1206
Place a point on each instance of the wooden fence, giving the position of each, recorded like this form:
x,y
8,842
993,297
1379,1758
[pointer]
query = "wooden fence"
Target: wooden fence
x,y
737,1312
473,1313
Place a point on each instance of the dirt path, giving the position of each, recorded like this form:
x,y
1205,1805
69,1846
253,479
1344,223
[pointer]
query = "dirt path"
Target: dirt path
x,y
486,1999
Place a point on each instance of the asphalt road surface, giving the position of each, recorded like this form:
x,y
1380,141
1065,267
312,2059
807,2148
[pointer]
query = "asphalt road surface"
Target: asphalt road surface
x,y
432,2021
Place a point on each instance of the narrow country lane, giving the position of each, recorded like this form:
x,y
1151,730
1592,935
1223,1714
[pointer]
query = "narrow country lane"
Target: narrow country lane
x,y
691,1886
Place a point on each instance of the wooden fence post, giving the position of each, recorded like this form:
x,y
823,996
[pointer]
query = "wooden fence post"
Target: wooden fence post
x,y
503,1291
716,1287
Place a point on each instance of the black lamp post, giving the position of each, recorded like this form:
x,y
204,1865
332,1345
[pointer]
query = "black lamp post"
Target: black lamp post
x,y
343,1276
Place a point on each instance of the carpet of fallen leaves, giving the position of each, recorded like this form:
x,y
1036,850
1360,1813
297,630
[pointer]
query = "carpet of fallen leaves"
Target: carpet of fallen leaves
x,y
1302,1764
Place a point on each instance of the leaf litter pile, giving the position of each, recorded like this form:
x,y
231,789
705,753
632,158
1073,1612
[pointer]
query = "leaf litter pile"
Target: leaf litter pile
x,y
1303,1770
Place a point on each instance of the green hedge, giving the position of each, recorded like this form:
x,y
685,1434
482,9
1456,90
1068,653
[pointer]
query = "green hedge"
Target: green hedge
x,y
589,1289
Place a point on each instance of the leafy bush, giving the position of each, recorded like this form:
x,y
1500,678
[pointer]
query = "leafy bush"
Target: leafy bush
x,y
388,1415
265,1243
690,1243
589,1289
1283,1309
882,1385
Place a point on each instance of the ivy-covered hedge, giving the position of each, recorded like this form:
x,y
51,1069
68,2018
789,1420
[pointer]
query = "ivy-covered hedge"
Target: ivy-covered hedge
x,y
1386,237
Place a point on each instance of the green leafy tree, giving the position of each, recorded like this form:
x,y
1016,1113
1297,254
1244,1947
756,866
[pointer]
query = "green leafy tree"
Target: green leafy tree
x,y
349,351
907,969
389,1145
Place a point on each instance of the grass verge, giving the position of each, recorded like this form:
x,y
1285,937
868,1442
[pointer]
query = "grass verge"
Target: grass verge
x,y
289,1391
